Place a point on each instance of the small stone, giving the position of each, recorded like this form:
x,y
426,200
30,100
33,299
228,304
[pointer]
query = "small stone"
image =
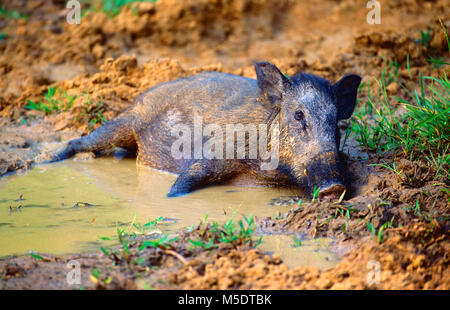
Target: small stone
x,y
393,88
14,269
84,156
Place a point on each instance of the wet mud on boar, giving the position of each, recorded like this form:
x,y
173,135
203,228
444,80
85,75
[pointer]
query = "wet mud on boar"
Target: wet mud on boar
x,y
297,114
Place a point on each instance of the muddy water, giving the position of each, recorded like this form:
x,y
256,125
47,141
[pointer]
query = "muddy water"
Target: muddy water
x,y
309,252
65,207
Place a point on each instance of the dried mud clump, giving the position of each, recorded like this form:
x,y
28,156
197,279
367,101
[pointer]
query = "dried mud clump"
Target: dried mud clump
x,y
412,257
173,22
103,95
43,49
387,203
390,45
395,45
19,145
241,270
413,47
111,90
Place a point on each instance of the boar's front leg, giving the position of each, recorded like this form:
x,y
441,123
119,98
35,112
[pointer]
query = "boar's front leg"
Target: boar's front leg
x,y
202,173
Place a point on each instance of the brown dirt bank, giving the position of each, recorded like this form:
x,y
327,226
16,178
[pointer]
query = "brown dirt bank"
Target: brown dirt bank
x,y
43,49
105,62
403,265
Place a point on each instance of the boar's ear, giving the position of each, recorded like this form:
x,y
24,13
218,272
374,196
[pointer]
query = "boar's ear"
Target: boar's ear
x,y
345,91
271,83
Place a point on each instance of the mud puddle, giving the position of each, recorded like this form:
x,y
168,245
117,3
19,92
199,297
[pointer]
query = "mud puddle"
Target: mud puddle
x,y
66,207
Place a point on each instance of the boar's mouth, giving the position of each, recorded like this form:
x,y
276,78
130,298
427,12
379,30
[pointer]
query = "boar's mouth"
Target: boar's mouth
x,y
324,171
333,191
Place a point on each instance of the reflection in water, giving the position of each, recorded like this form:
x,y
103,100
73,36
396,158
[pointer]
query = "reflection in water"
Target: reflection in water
x,y
66,206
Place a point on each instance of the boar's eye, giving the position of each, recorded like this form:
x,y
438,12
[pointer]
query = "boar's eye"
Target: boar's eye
x,y
299,115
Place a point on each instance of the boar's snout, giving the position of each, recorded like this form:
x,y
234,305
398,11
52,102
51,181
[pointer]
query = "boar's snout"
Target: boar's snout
x,y
334,191
325,172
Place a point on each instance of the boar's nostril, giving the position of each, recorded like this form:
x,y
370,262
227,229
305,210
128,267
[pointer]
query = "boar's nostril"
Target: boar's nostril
x,y
334,191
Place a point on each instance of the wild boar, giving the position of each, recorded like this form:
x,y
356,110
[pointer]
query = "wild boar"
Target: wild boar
x,y
304,149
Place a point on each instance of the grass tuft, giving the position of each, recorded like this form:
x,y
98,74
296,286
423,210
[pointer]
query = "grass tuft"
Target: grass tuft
x,y
55,100
210,236
12,14
111,8
417,128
